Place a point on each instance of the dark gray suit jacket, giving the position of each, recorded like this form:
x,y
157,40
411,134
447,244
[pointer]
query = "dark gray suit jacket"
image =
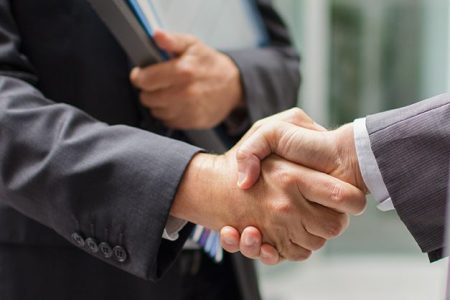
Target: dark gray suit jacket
x,y
80,158
412,148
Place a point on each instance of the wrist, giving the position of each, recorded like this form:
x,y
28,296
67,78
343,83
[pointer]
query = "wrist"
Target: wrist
x,y
201,192
348,158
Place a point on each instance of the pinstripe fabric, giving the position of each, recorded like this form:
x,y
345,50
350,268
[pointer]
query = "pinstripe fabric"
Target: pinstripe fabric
x,y
412,148
447,241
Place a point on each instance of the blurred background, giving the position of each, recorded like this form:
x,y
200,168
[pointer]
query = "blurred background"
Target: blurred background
x,y
360,57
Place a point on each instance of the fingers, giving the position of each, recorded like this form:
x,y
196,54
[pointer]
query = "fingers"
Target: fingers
x,y
250,243
251,246
298,117
330,192
295,252
173,42
313,149
162,98
162,76
230,239
169,73
252,151
275,134
295,116
154,77
329,224
264,141
249,168
233,242
269,255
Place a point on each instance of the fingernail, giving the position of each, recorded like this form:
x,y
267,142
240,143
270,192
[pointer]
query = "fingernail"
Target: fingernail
x,y
229,241
241,179
249,241
264,254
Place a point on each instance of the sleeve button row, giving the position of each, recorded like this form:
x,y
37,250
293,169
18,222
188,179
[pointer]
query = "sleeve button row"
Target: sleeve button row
x,y
119,253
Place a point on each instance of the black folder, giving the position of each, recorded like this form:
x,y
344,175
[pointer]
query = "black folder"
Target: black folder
x,y
121,21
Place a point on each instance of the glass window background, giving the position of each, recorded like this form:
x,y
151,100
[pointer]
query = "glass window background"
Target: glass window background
x,y
360,57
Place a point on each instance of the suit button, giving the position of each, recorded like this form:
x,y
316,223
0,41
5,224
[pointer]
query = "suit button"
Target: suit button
x,y
120,254
78,238
106,250
92,245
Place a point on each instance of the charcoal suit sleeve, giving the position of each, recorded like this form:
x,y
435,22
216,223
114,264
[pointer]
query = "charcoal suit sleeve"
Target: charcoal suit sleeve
x,y
412,149
72,173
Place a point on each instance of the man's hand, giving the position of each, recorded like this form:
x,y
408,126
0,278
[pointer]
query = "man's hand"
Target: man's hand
x,y
330,152
197,89
289,204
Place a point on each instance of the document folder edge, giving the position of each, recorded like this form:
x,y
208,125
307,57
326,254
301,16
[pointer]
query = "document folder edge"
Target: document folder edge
x,y
122,23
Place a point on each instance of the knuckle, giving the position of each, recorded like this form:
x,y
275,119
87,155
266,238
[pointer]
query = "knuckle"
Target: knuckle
x,y
287,180
185,70
296,114
282,207
300,255
282,174
272,130
191,91
337,194
333,231
336,227
258,124
243,153
297,111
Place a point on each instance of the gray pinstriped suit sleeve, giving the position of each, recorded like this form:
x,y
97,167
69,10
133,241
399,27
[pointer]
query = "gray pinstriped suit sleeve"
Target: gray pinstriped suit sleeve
x,y
412,149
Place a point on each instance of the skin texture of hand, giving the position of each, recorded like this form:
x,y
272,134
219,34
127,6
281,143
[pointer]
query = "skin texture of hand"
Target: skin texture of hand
x,y
289,204
197,89
330,152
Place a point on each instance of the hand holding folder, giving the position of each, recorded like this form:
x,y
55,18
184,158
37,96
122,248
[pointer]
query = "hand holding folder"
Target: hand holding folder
x,y
197,89
134,22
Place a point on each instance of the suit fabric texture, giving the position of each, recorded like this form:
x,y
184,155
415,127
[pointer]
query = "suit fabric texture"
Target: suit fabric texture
x,y
87,177
412,149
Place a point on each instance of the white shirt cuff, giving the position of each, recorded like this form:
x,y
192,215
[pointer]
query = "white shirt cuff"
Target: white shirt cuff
x,y
173,227
369,167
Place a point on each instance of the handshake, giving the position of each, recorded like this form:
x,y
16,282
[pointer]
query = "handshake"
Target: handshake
x,y
285,189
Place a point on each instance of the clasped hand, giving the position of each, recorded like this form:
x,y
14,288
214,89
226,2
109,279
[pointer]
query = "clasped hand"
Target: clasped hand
x,y
325,199
296,185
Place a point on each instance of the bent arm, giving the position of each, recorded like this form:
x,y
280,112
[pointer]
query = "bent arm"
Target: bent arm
x,y
74,174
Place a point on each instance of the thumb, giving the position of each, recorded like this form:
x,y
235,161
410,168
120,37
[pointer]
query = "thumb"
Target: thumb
x,y
249,168
299,145
173,43
252,151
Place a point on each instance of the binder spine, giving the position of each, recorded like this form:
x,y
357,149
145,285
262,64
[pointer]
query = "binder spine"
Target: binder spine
x,y
120,20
